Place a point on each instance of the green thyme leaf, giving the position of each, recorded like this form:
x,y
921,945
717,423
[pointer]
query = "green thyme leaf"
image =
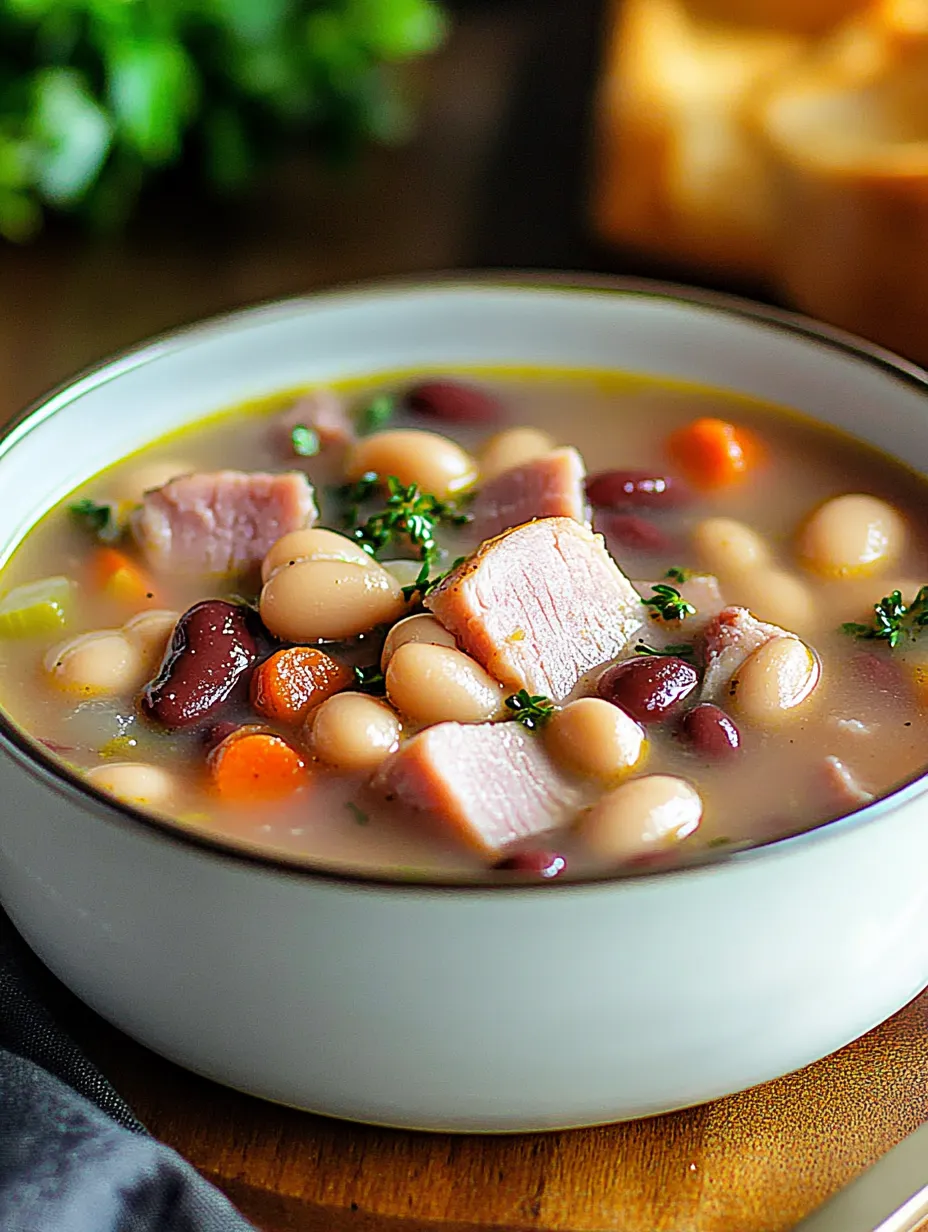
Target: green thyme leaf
x,y
305,441
668,603
100,520
370,679
678,575
533,711
424,585
893,621
376,415
409,514
680,650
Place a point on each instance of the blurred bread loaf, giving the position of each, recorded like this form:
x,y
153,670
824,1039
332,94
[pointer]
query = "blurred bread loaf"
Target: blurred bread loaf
x,y
775,140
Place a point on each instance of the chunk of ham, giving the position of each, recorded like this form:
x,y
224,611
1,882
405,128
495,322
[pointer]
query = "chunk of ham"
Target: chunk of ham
x,y
842,786
486,784
540,606
730,639
222,522
551,486
323,411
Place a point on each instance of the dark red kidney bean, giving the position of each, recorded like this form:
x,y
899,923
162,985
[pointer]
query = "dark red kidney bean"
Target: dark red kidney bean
x,y
635,534
635,490
711,731
215,735
544,864
212,651
651,689
452,402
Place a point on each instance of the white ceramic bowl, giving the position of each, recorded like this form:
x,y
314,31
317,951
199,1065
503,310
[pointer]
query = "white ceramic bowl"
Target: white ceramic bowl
x,y
464,1008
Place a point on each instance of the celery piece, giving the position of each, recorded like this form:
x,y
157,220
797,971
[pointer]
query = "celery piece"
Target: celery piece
x,y
36,608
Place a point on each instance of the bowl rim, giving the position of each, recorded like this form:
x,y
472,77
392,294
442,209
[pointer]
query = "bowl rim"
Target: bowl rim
x,y
40,762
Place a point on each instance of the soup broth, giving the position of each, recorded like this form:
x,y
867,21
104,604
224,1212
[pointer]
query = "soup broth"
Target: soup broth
x,y
723,701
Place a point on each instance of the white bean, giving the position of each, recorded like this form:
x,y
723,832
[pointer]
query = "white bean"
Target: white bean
x,y
352,731
150,633
434,462
312,544
852,535
328,600
774,681
595,738
430,683
419,628
728,547
775,596
135,782
514,447
641,816
96,664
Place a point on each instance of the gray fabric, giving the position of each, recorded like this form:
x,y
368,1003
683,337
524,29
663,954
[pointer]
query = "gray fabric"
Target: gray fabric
x,y
73,1156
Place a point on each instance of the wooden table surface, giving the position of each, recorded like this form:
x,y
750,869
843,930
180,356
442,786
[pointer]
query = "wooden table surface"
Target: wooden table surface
x,y
495,177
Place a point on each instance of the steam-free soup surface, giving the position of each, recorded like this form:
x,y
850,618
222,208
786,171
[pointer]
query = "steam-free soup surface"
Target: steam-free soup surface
x,y
692,685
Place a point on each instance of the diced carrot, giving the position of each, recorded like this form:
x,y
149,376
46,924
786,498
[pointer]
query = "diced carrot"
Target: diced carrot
x,y
713,453
118,576
251,766
294,681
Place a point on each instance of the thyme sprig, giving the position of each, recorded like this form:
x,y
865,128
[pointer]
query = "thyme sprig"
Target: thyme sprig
x,y
668,603
424,585
409,513
532,710
680,650
894,621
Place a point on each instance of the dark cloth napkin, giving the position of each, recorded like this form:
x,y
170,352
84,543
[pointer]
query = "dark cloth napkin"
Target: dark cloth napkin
x,y
73,1155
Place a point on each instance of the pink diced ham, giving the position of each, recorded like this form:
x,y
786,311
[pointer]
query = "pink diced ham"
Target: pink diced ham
x,y
540,606
324,412
222,522
729,639
551,486
486,784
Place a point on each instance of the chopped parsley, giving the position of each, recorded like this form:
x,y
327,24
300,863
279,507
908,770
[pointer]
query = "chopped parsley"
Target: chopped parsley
x,y
100,520
668,603
894,621
305,441
376,415
533,711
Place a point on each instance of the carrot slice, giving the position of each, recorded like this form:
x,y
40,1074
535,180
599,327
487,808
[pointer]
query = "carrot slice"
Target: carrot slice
x,y
119,577
294,681
713,453
252,766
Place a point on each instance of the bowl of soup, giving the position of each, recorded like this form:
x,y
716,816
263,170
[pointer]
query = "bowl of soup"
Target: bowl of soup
x,y
482,705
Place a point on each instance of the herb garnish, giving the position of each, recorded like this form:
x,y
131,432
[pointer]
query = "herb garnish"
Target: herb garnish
x,y
424,585
357,813
531,710
100,520
370,679
669,604
305,441
677,574
681,650
893,620
408,512
376,415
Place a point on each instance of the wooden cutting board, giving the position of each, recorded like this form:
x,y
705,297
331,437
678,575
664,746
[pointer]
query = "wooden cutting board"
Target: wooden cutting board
x,y
757,1162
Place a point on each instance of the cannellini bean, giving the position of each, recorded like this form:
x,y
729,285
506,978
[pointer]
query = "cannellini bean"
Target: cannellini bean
x,y
96,664
149,475
851,535
430,683
435,463
313,544
774,681
728,547
640,816
514,447
150,633
353,731
775,596
419,628
595,738
327,600
134,782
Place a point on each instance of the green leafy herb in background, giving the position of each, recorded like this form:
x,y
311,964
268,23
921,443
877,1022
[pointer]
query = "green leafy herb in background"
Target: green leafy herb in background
x,y
99,96
304,441
894,621
532,710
